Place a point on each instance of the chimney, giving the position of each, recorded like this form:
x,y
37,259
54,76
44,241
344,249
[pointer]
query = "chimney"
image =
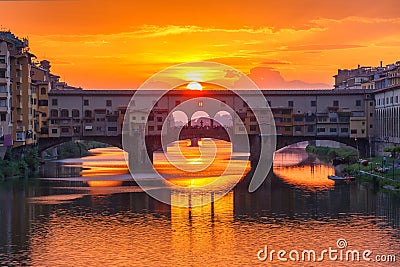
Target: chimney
x,y
381,63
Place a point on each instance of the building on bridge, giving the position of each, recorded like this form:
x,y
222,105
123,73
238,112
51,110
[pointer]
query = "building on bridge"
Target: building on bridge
x,y
311,113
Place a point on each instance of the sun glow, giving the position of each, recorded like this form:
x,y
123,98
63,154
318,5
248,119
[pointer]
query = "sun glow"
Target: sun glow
x,y
194,86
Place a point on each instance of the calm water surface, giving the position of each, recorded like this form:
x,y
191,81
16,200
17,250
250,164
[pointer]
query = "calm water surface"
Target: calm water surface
x,y
88,212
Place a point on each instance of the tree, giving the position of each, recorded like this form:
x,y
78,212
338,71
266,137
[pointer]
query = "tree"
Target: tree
x,y
394,150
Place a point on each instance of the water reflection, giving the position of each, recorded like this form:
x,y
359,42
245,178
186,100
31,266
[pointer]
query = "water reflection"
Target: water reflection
x,y
123,227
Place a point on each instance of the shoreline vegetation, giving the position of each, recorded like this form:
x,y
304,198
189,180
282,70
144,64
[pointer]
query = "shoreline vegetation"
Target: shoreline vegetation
x,y
28,164
380,170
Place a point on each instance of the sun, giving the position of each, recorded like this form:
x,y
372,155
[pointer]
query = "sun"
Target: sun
x,y
194,86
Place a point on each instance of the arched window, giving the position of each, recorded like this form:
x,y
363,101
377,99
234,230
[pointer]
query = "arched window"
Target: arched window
x,y
54,113
88,113
75,113
64,113
43,91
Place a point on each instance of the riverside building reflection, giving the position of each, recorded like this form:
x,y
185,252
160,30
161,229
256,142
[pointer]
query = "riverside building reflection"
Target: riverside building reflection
x,y
55,222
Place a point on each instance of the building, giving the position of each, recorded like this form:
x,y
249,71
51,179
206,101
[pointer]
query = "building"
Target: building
x,y
15,84
333,113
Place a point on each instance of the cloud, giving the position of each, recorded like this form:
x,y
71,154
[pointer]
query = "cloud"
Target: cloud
x,y
266,78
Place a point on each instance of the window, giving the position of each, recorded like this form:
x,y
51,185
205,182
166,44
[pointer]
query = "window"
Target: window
x,y
54,102
253,119
20,136
335,103
297,129
159,119
3,88
313,103
65,130
159,127
332,130
371,114
3,102
298,119
287,129
391,100
75,113
65,113
253,127
88,113
3,117
371,103
344,130
112,119
200,104
54,113
44,114
310,129
43,91
353,131
86,102
333,119
358,103
108,103
54,131
397,99
290,103
112,129
371,126
321,130
151,128
43,103
363,131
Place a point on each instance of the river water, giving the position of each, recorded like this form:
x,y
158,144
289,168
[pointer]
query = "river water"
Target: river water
x,y
88,212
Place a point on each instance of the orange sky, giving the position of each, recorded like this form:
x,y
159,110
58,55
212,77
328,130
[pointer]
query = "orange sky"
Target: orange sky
x,y
120,43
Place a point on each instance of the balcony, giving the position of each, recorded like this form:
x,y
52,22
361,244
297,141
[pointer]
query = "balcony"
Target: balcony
x,y
3,94
3,66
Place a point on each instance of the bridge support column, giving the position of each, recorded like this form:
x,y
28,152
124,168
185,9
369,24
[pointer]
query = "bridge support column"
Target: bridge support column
x,y
140,158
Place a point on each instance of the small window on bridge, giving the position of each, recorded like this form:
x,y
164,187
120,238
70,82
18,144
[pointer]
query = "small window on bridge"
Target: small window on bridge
x,y
290,103
313,103
75,113
335,103
358,103
54,102
108,103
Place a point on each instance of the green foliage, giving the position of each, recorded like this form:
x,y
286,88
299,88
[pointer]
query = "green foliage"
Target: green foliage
x,y
394,150
31,160
328,153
